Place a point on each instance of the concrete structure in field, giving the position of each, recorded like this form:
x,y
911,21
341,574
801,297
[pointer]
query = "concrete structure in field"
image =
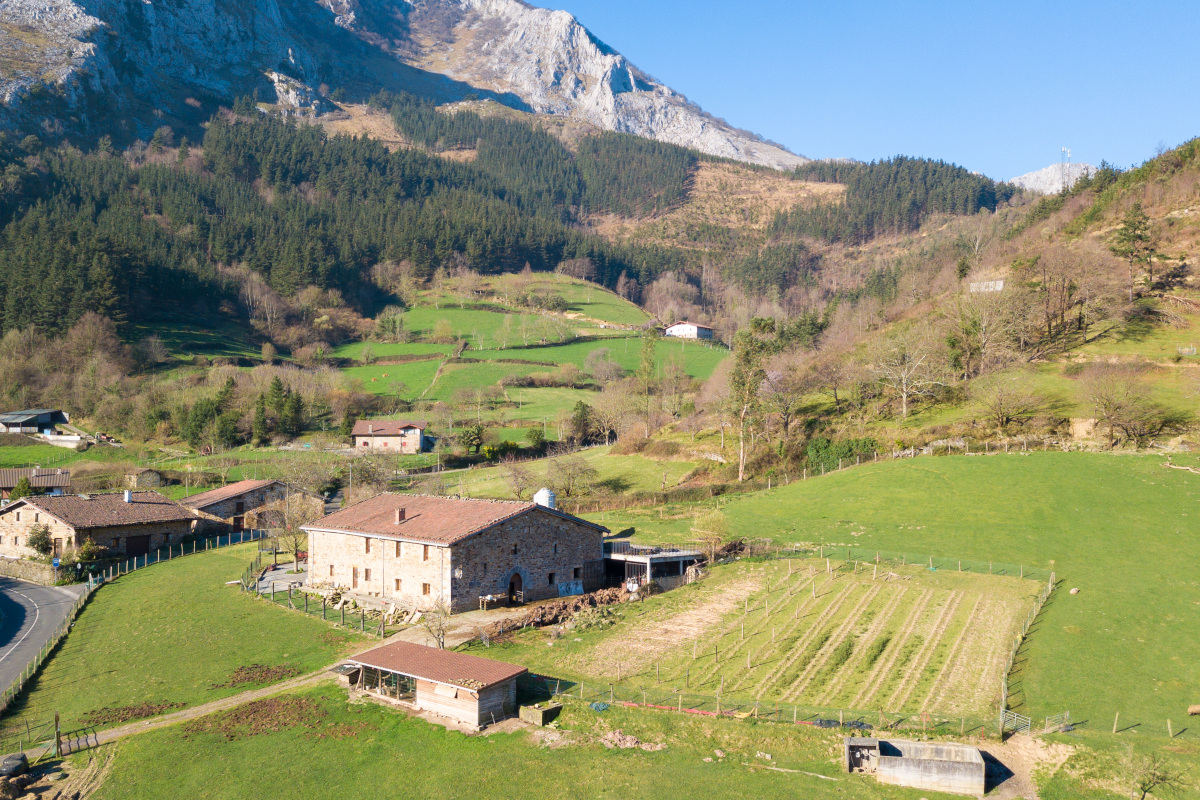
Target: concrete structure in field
x,y
127,523
470,690
253,505
688,330
414,550
145,478
53,482
394,436
33,421
931,766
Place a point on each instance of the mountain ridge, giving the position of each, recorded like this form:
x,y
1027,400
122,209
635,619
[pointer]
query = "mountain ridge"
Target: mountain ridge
x,y
112,60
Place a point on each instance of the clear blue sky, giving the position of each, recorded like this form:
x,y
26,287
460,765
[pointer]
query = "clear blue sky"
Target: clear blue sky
x,y
995,87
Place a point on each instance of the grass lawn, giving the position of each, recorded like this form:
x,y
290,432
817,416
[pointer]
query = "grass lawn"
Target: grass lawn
x,y
227,339
469,323
614,473
416,376
171,634
698,360
44,455
350,750
386,350
583,298
1118,527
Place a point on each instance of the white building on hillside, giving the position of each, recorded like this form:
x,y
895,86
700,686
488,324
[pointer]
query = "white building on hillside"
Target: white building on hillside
x,y
688,330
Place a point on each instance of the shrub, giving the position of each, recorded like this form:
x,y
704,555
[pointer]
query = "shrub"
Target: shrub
x,y
39,539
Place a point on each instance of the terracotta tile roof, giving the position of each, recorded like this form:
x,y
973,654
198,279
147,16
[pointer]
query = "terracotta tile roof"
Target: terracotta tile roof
x,y
38,478
107,510
385,427
439,666
428,519
204,499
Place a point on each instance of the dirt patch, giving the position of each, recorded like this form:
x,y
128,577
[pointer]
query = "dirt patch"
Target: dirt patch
x,y
258,674
1022,755
343,730
271,715
623,741
104,716
646,643
553,739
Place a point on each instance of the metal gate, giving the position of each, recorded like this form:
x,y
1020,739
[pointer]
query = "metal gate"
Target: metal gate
x,y
1057,722
1011,721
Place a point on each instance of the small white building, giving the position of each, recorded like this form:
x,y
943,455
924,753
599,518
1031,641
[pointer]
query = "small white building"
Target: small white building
x,y
688,330
396,436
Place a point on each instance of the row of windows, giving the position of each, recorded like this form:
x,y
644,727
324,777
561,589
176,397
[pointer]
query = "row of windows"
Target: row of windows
x,y
425,587
577,574
424,549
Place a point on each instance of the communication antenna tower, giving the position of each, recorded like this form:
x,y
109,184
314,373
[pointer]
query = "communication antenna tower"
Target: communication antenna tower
x,y
1065,168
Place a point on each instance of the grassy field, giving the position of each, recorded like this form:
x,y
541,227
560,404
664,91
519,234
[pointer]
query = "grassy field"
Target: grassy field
x,y
1118,527
225,340
386,350
905,640
44,455
614,474
698,359
335,749
173,633
583,298
417,377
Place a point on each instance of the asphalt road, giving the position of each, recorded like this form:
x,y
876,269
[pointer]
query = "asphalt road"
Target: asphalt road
x,y
32,614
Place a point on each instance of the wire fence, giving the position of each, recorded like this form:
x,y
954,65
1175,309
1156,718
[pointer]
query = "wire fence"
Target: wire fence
x,y
290,597
199,545
30,669
599,695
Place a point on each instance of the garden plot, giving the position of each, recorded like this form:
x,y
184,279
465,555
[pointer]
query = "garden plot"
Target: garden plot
x,y
908,640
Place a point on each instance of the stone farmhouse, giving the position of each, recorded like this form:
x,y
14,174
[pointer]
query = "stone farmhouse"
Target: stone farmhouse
x,y
252,504
145,478
395,436
471,690
688,330
415,550
127,523
53,482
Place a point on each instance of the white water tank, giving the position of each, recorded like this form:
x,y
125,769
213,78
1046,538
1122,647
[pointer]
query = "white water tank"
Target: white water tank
x,y
544,498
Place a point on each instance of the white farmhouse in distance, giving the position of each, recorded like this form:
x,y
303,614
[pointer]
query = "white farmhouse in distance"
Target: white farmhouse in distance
x,y
688,330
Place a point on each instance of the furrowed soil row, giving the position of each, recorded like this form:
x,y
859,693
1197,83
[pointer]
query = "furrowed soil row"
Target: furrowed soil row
x,y
814,667
911,677
984,685
883,667
794,624
802,643
759,655
870,635
962,650
737,648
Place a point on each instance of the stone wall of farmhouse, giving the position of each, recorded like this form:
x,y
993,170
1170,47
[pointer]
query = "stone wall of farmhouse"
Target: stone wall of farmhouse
x,y
227,509
547,551
14,534
423,571
32,571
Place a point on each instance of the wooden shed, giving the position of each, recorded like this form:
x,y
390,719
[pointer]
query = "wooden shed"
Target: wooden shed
x,y
472,690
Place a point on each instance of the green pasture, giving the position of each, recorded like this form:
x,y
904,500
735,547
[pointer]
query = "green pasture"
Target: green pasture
x,y
698,359
358,750
1117,527
386,350
584,298
615,474
417,376
226,339
172,633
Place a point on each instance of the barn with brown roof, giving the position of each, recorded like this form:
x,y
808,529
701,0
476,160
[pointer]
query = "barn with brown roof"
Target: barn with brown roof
x,y
391,435
254,504
127,523
415,550
472,690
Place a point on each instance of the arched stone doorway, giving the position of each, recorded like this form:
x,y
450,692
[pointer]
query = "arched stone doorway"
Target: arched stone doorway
x,y
516,594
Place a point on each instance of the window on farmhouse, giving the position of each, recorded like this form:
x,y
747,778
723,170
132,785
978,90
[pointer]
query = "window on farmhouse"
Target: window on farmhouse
x,y
578,575
366,574
424,588
116,543
397,549
368,545
397,584
551,581
556,548
331,570
425,553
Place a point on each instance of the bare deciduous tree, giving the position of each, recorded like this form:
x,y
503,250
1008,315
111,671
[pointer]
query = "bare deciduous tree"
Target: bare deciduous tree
x,y
1006,403
712,531
436,622
570,475
911,366
517,476
1150,773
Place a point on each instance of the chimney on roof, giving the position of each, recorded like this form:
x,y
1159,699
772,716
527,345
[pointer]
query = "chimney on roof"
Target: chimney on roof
x,y
128,496
399,515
